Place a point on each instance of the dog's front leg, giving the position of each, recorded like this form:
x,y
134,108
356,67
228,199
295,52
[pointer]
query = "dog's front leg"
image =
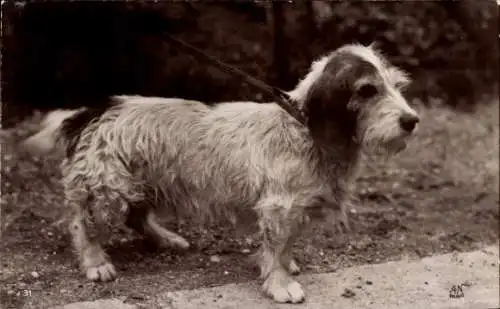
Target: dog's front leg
x,y
287,259
278,226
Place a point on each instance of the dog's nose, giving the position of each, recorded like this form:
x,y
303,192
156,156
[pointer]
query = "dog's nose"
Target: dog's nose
x,y
408,122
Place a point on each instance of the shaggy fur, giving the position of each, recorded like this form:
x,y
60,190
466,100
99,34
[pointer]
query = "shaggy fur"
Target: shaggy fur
x,y
140,156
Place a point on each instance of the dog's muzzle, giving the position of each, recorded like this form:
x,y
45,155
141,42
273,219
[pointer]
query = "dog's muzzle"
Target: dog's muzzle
x,y
407,122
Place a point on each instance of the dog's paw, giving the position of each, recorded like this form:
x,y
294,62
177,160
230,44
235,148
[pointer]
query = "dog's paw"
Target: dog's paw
x,y
177,242
102,272
180,243
283,289
293,268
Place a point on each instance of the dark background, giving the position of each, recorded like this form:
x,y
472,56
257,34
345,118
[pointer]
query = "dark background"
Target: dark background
x,y
60,54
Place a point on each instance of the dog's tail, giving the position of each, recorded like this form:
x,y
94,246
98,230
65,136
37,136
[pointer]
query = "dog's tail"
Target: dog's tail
x,y
60,131
49,136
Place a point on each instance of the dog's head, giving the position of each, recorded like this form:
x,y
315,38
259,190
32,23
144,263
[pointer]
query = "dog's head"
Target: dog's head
x,y
355,93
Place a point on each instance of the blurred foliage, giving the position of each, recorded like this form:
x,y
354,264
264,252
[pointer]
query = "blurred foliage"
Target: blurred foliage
x,y
62,54
450,47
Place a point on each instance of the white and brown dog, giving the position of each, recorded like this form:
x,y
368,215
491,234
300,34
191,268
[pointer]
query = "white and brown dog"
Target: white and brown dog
x,y
126,162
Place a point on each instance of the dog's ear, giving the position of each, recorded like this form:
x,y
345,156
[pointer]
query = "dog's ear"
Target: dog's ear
x,y
328,98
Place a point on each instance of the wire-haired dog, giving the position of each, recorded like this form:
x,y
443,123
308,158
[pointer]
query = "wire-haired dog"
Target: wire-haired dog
x,y
203,161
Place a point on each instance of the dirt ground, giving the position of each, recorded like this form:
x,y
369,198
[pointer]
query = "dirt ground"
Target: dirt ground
x,y
440,195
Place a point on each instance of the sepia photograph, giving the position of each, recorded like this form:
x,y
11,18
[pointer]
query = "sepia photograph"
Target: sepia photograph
x,y
250,154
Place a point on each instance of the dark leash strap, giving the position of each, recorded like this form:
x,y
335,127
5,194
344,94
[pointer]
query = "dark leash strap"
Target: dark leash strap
x,y
280,97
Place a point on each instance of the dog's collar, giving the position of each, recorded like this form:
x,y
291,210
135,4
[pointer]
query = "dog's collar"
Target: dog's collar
x,y
280,97
285,101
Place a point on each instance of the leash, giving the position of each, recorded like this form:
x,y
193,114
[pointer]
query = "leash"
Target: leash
x,y
279,96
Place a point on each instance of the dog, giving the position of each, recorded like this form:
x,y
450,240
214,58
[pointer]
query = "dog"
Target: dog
x,y
141,156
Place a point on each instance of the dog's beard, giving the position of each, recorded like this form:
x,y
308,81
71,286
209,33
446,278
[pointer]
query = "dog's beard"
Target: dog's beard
x,y
379,129
384,139
396,145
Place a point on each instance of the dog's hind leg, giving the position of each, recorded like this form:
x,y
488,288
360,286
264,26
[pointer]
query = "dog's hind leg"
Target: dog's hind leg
x,y
278,224
145,222
97,209
163,236
93,260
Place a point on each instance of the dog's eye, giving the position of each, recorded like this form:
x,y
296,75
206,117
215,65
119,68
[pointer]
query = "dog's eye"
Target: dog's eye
x,y
367,91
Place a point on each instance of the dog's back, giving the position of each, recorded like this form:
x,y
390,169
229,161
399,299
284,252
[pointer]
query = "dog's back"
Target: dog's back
x,y
195,157
212,161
